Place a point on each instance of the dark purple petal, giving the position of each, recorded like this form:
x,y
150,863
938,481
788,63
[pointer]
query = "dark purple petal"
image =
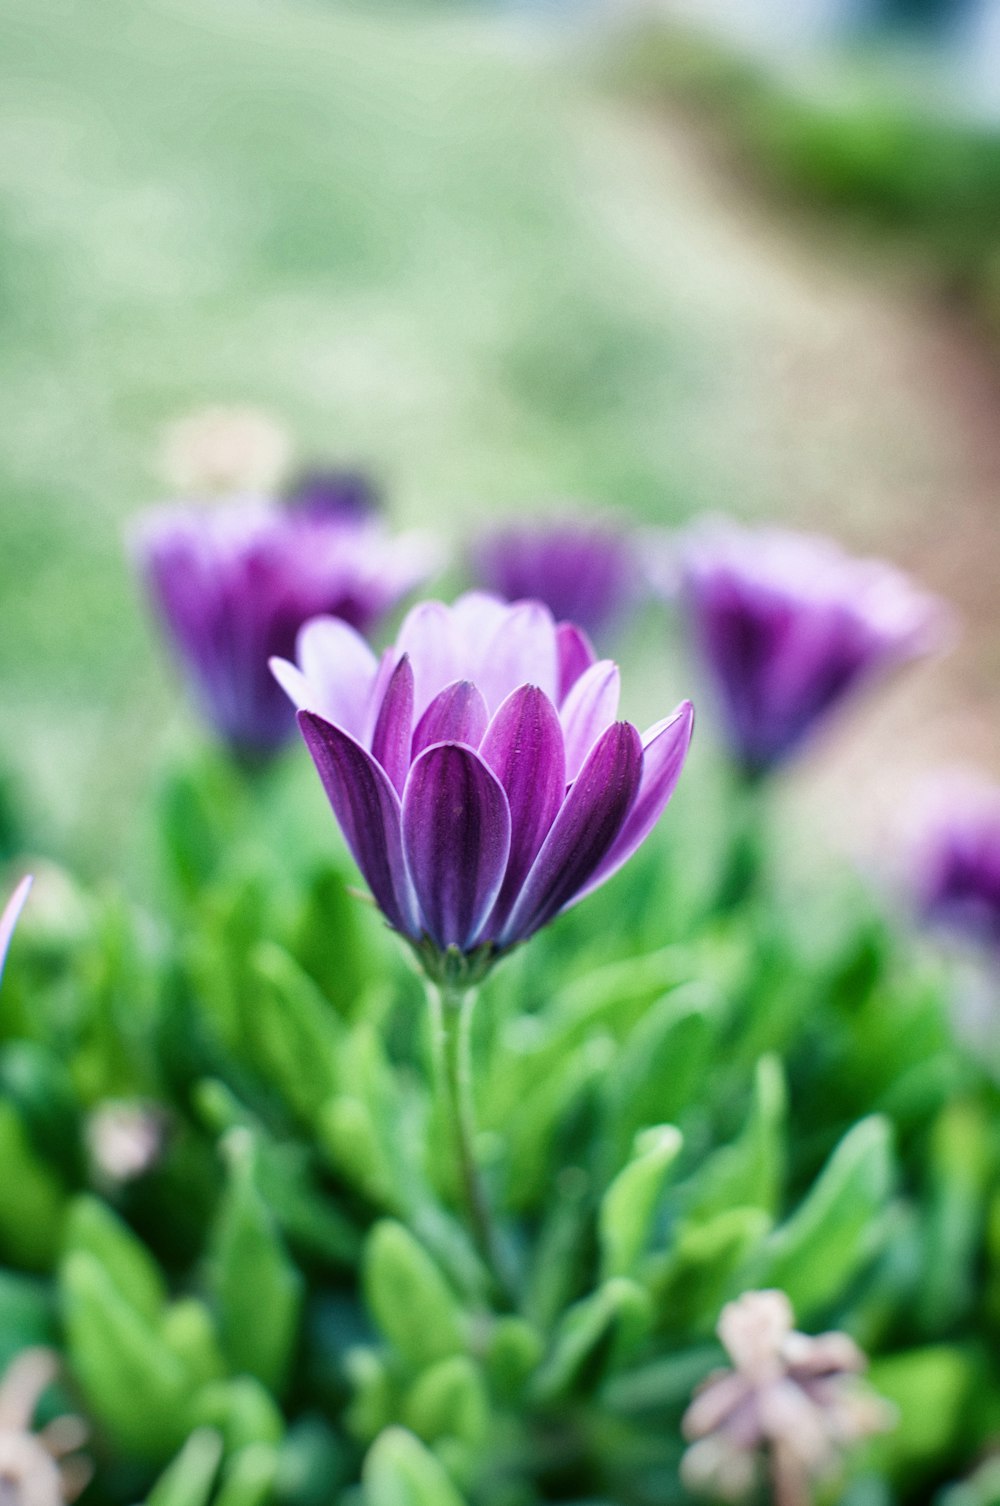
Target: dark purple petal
x,y
664,749
590,707
9,918
524,748
394,726
456,837
582,834
367,808
457,715
576,654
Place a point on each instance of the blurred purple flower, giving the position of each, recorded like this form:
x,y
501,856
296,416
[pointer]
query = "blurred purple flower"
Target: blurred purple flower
x,y
788,626
959,863
345,496
583,570
233,584
10,915
477,772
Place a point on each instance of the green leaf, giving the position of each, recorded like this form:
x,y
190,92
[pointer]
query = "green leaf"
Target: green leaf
x,y
249,1476
704,1265
514,1353
26,1314
33,1205
838,1226
297,1035
400,1471
662,1067
132,1383
448,1399
188,1331
242,1410
592,1335
750,1172
92,1227
626,1213
413,1305
188,1479
932,1389
257,1289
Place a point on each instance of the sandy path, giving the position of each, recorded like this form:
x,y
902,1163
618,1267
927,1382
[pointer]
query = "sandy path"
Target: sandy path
x,y
838,391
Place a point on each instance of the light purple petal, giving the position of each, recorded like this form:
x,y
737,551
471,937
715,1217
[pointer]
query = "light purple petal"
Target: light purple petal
x,y
590,707
368,810
521,652
457,715
11,912
338,667
394,726
428,636
476,616
576,654
664,749
456,837
582,834
524,748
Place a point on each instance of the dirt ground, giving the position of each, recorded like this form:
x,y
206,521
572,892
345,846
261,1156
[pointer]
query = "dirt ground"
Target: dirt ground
x,y
842,393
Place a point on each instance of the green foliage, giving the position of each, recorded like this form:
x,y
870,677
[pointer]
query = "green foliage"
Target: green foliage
x,y
285,1309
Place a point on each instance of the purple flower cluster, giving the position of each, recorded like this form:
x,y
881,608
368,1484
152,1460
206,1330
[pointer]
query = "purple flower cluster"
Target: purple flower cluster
x,y
323,492
960,865
584,571
477,770
233,584
789,626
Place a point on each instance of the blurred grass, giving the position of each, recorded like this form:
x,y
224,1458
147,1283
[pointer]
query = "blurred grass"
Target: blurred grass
x,y
379,225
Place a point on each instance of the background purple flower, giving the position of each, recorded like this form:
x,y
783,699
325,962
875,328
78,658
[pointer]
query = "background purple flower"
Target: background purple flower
x,y
959,863
233,584
325,492
584,571
788,626
9,917
477,771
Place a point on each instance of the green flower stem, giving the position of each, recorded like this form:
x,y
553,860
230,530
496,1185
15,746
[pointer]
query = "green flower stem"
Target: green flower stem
x,y
451,1040
745,857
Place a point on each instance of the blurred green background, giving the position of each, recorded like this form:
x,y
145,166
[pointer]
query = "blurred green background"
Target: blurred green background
x,y
493,256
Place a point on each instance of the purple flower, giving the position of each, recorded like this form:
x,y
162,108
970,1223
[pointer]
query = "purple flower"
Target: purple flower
x,y
478,773
584,571
960,863
233,584
9,917
347,496
788,626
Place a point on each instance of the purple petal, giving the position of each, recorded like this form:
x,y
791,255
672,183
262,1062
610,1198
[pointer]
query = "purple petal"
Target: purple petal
x,y
335,674
457,715
367,808
582,834
664,749
394,726
9,918
522,652
576,654
428,636
456,837
590,707
524,748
